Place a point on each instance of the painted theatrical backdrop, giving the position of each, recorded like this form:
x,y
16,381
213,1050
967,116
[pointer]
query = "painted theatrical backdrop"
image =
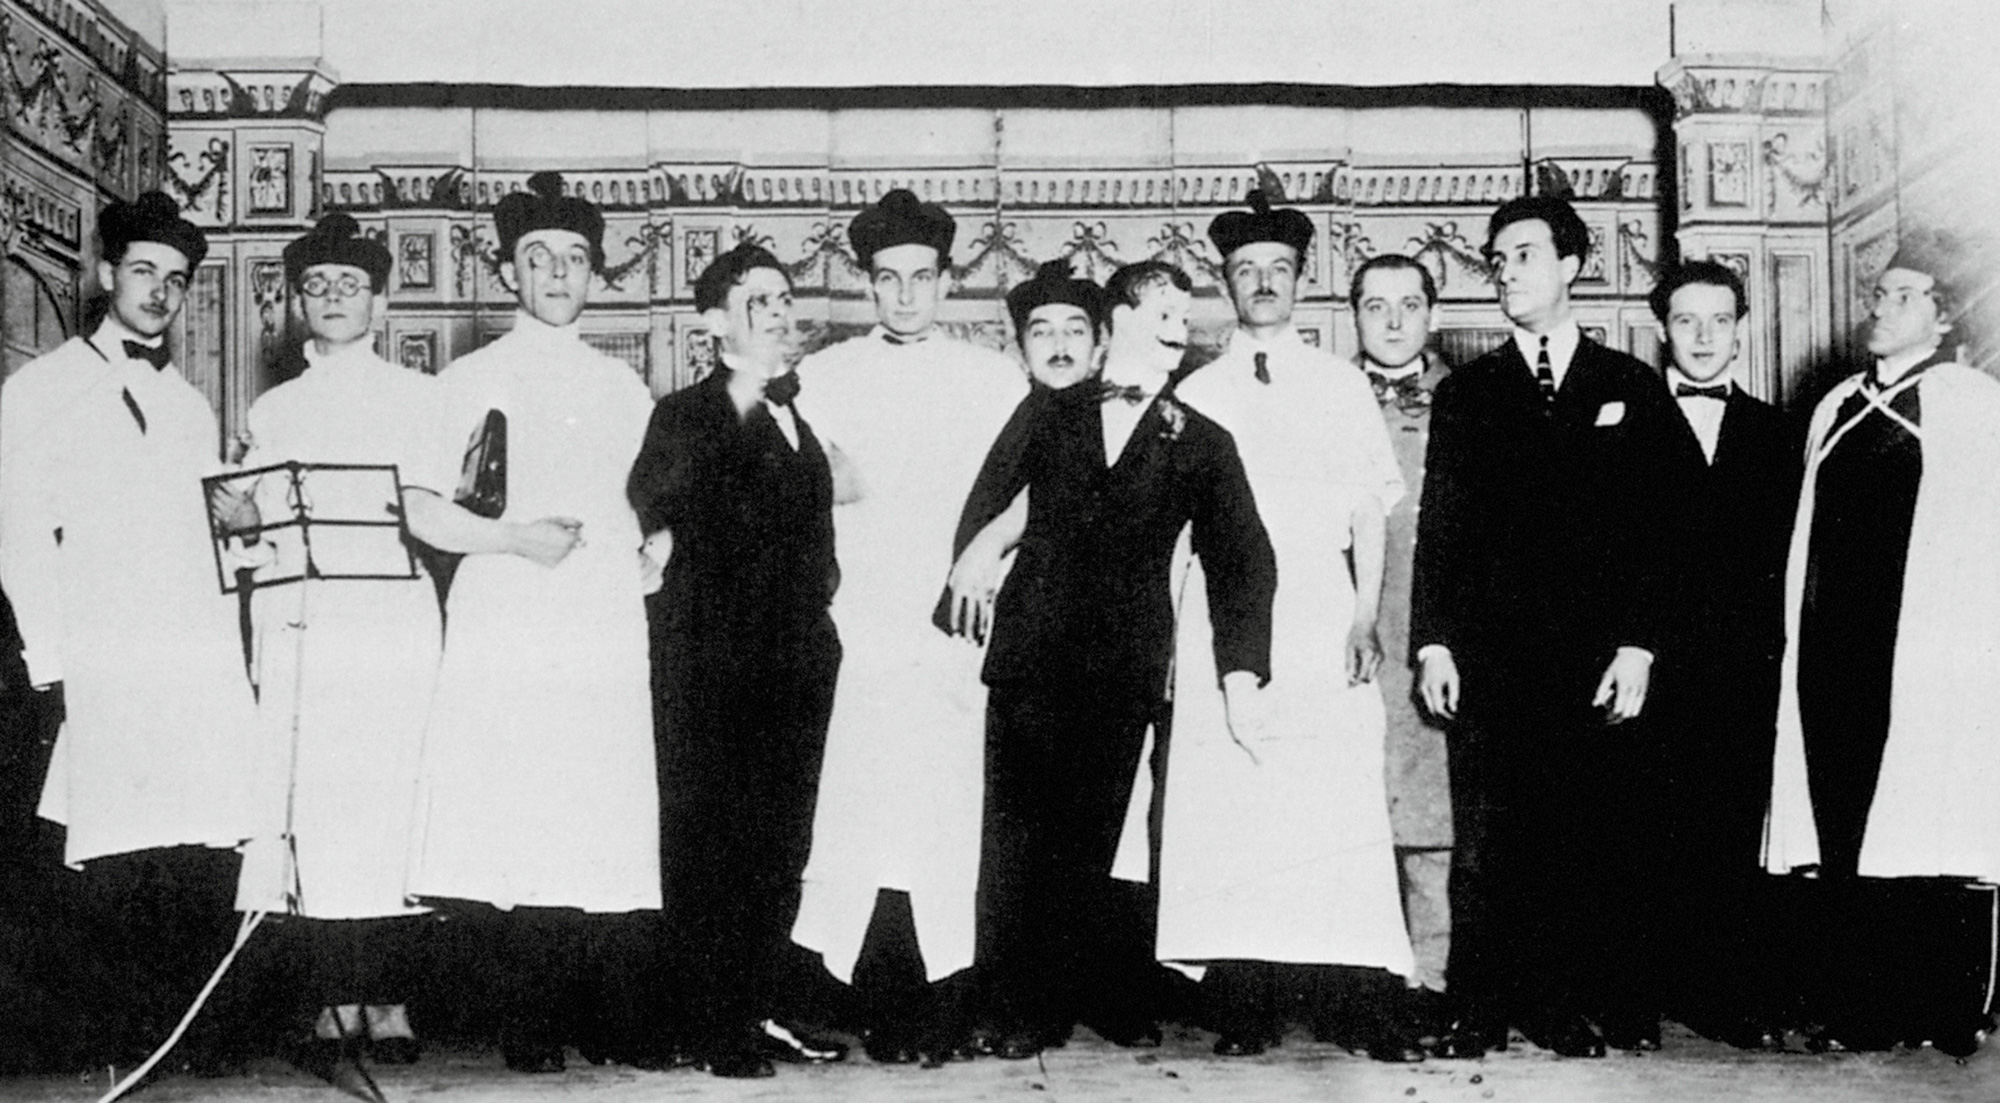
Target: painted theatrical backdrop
x,y
1795,146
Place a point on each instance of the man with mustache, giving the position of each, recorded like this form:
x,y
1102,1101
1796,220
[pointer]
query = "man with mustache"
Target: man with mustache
x,y
1539,600
1082,636
105,554
1277,862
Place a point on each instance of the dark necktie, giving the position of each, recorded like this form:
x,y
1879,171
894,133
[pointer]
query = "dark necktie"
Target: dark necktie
x,y
1132,393
1718,392
782,390
1263,368
156,355
1544,374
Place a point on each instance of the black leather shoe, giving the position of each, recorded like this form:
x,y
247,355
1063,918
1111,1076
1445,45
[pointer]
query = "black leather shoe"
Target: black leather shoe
x,y
1240,1045
1017,1045
737,1064
1570,1037
791,1043
890,1049
1396,1049
1634,1037
1471,1039
1131,1033
338,1062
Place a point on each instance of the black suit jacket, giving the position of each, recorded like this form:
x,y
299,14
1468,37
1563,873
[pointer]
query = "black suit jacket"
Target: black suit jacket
x,y
1089,598
1734,534
1541,537
752,572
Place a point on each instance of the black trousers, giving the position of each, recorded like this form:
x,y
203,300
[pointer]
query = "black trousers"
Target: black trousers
x,y
739,778
1554,886
1719,947
895,996
159,923
1053,938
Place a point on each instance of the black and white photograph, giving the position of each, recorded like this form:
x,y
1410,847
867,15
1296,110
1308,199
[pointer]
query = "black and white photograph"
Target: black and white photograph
x,y
1437,550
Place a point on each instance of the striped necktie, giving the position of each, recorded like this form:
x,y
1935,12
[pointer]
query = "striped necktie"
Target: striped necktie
x,y
1544,374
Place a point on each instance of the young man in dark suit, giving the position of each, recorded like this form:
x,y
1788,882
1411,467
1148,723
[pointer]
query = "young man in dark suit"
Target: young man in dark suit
x,y
744,659
1538,606
1083,635
1735,469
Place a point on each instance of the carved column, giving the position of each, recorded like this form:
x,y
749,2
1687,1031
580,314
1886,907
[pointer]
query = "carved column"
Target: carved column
x,y
245,150
81,122
1751,143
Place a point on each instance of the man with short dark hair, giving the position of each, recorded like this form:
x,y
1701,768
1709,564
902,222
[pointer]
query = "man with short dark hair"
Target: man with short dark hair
x,y
1277,862
888,895
1886,756
1540,582
744,658
105,554
1735,471
1394,300
1083,635
537,793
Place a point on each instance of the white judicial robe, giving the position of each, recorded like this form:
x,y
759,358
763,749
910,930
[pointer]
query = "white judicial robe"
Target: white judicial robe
x,y
901,790
538,784
361,671
1935,810
126,607
1290,857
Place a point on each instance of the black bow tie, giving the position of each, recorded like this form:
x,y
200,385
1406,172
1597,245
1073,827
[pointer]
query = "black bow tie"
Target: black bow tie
x,y
156,355
1132,393
782,390
1719,391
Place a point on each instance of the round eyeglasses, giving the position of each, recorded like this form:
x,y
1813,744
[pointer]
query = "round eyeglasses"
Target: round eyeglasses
x,y
317,286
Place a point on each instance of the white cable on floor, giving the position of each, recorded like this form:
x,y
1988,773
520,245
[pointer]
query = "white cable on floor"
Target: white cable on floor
x,y
249,924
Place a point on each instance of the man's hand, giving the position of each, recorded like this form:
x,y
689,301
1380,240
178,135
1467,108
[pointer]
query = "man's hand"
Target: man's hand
x,y
1246,710
549,540
1364,652
974,583
1621,693
1437,680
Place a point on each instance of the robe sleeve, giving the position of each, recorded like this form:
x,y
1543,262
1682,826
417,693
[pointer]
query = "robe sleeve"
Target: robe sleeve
x,y
30,518
1368,458
1237,560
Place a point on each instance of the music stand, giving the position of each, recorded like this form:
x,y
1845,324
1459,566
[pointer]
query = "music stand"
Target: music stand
x,y
334,522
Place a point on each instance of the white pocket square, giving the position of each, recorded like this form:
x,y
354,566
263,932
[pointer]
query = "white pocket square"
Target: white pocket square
x,y
1611,413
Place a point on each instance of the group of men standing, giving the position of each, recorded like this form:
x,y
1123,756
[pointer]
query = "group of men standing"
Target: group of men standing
x,y
695,696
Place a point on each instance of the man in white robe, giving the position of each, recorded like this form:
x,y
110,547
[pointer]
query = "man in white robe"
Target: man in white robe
x,y
1276,843
538,792
345,664
105,554
910,412
1887,757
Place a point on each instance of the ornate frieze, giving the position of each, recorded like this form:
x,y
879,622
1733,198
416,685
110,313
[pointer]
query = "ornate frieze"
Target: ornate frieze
x,y
290,93
75,91
1744,89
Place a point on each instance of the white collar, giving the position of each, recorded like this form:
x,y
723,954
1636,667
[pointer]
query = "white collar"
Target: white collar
x,y
356,353
1286,339
534,330
112,334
